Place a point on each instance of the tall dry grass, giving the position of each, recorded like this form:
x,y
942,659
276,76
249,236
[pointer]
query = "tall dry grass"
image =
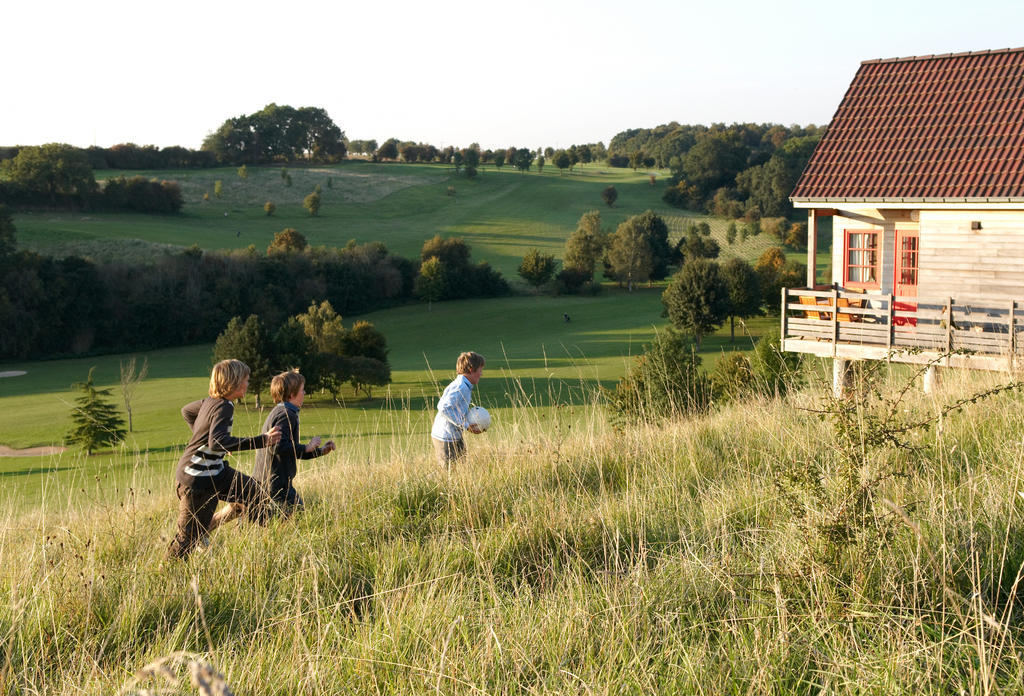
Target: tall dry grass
x,y
564,556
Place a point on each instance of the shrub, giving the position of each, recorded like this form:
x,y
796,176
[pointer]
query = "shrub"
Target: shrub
x,y
775,372
287,240
312,203
537,268
664,382
733,377
269,208
142,195
570,281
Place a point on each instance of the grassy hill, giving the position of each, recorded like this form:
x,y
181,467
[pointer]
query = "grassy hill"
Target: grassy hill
x,y
533,357
716,555
501,214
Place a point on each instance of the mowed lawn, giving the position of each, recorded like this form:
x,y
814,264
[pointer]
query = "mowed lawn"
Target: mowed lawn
x,y
536,360
501,214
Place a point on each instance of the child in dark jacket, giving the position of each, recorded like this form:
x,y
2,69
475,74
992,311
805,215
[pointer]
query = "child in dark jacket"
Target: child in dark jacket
x,y
276,465
203,477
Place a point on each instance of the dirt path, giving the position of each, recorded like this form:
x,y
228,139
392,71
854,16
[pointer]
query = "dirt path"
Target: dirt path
x,y
6,451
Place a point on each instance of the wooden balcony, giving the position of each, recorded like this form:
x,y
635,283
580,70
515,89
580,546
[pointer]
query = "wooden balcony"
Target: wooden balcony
x,y
837,323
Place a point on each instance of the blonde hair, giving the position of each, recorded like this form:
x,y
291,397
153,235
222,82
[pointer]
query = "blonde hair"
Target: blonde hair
x,y
286,385
227,376
469,362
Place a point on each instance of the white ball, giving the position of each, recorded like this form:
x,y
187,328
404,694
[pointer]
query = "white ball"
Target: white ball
x,y
479,417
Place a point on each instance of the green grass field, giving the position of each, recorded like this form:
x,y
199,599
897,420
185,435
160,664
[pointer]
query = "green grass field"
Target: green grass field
x,y
534,358
534,355
501,214
562,557
778,546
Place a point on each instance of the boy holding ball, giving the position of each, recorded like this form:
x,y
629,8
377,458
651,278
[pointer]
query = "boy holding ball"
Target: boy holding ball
x,y
453,408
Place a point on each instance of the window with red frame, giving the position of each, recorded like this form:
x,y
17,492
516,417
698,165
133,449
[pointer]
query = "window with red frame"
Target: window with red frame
x,y
861,259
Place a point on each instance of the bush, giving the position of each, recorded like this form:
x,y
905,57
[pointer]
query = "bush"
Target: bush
x,y
664,382
142,195
570,281
733,377
775,372
777,227
312,203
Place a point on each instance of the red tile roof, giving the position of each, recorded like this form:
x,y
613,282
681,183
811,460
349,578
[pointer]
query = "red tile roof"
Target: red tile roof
x,y
948,127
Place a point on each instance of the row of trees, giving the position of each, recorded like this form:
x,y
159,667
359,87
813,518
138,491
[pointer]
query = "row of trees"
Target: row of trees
x,y
639,251
316,342
132,156
744,168
703,293
74,306
61,175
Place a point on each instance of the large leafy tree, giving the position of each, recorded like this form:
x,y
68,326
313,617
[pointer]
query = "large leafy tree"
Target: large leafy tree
x,y
292,348
767,186
278,132
388,150
775,273
537,268
655,233
365,340
95,421
249,342
584,246
52,169
522,159
562,161
324,328
744,289
431,282
454,255
697,298
629,255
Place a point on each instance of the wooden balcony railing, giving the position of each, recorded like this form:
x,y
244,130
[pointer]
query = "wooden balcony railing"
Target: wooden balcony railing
x,y
840,323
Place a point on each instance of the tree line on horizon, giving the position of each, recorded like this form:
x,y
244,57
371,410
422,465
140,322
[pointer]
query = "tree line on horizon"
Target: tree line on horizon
x,y
740,170
75,306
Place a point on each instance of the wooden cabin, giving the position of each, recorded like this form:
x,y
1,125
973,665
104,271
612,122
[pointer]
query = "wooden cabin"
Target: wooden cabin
x,y
922,174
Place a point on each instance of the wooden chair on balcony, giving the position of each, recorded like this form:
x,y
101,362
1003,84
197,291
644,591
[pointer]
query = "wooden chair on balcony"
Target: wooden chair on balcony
x,y
848,316
814,314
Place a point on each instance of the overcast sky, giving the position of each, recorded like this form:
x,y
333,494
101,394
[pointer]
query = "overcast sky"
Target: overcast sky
x,y
521,73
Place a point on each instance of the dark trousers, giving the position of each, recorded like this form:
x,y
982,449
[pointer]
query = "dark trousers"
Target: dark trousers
x,y
197,503
279,497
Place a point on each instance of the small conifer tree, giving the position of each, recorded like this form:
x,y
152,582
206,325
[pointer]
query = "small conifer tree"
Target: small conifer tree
x,y
95,420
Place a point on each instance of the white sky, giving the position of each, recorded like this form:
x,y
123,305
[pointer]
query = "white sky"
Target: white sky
x,y
526,73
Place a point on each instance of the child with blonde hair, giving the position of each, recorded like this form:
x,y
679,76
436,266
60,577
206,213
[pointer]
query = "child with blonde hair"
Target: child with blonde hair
x,y
203,477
